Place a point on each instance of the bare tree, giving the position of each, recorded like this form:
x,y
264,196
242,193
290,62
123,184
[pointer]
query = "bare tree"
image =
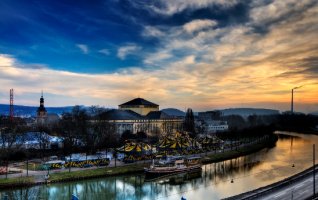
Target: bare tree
x,y
12,133
67,125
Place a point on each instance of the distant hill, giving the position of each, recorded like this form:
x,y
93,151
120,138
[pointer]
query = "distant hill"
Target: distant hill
x,y
314,113
245,112
174,112
28,111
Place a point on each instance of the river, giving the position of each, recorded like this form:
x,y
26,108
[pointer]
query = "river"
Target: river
x,y
216,181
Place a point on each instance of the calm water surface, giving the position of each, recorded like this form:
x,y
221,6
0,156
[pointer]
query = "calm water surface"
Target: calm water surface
x,y
214,182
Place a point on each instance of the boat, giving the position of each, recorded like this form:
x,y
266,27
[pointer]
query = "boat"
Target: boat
x,y
173,165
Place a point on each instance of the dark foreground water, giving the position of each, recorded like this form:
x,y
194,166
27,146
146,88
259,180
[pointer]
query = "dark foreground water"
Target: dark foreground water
x,y
214,182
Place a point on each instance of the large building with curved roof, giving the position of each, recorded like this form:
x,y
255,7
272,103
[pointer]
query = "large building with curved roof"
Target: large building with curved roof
x,y
140,115
140,106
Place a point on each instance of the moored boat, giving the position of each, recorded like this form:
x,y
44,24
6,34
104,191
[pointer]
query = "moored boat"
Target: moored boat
x,y
173,166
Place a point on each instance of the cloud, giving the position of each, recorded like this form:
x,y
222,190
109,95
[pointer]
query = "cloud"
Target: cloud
x,y
199,24
237,59
217,67
271,11
130,49
164,7
177,43
151,31
83,48
6,60
158,57
104,51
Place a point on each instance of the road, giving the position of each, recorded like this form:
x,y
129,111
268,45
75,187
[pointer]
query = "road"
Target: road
x,y
298,187
302,189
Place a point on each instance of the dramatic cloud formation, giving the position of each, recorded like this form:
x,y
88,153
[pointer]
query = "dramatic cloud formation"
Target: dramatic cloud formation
x,y
172,7
205,54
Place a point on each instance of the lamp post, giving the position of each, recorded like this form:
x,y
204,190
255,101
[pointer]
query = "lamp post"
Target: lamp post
x,y
314,181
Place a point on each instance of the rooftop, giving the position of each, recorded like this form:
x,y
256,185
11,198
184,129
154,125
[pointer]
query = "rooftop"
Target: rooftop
x,y
137,102
158,115
115,114
120,115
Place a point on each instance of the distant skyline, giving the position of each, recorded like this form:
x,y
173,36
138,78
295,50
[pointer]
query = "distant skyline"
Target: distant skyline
x,y
203,54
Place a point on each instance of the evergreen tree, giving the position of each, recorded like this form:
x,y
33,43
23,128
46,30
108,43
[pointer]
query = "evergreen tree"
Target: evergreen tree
x,y
189,121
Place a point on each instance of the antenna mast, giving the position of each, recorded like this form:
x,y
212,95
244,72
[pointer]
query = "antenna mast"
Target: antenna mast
x,y
11,105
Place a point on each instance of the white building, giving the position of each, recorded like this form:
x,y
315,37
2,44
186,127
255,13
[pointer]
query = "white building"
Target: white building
x,y
213,122
216,126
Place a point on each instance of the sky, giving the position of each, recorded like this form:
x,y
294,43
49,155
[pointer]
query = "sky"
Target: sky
x,y
199,54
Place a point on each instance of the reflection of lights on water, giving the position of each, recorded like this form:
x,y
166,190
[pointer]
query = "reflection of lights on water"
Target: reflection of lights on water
x,y
163,181
127,188
274,168
78,189
53,190
119,185
102,184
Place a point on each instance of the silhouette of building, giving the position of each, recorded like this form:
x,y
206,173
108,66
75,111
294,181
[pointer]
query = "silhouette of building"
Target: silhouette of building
x,y
44,118
140,106
41,117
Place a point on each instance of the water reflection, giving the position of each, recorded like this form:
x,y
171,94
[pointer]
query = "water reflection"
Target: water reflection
x,y
214,181
29,193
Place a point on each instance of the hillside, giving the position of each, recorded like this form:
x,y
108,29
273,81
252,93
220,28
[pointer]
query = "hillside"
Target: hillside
x,y
314,113
28,111
174,112
244,112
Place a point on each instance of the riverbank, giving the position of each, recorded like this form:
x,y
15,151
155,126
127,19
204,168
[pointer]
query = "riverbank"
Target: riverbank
x,y
132,168
269,142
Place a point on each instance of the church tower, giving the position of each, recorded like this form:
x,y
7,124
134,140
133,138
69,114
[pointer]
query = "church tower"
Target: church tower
x,y
41,112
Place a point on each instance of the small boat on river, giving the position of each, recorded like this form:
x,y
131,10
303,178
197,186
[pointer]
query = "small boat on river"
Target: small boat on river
x,y
173,165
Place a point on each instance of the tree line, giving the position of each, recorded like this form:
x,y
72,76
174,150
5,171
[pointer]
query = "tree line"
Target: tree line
x,y
84,130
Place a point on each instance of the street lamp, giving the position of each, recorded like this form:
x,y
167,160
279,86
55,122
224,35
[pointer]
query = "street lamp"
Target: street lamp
x,y
314,181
